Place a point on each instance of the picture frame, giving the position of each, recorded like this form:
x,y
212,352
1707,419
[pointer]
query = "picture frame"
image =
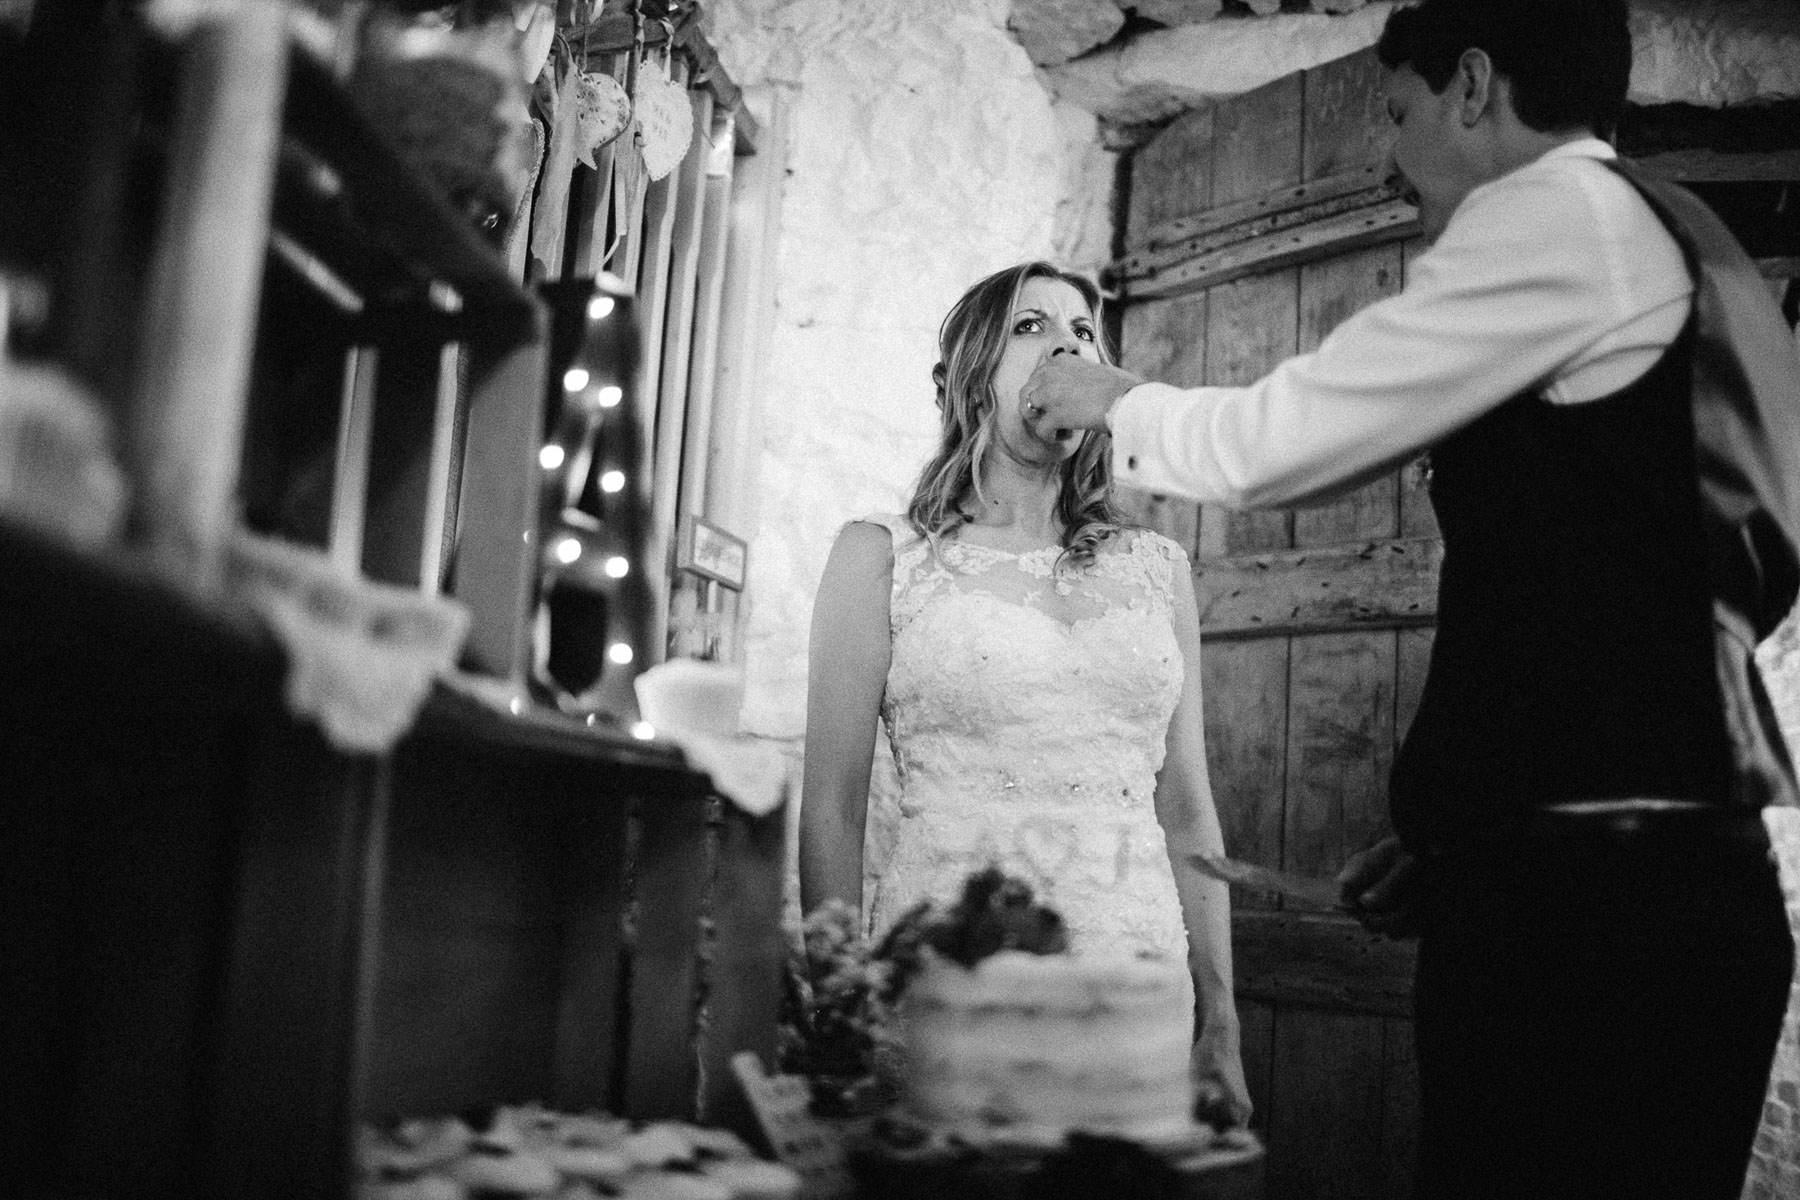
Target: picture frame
x,y
711,553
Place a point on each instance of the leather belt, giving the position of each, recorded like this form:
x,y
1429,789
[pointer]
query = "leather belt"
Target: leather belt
x,y
1645,819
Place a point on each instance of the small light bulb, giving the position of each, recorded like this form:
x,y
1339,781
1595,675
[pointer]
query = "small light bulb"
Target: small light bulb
x,y
612,481
516,705
617,567
610,395
551,457
568,550
619,652
643,731
575,378
600,308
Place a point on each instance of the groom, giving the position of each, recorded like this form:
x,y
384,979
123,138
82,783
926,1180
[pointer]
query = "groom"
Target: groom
x,y
1612,407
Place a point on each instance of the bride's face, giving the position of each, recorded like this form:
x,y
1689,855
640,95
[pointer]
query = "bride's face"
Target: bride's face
x,y
1049,317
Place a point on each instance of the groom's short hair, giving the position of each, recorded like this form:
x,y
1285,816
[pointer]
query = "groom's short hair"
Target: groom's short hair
x,y
1569,60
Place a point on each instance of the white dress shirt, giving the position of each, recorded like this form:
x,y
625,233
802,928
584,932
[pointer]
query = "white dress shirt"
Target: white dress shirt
x,y
1557,278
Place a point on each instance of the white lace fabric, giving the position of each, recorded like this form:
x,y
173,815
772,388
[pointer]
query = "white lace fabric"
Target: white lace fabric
x,y
1027,705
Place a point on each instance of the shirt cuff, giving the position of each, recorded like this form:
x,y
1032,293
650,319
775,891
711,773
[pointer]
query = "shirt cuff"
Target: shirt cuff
x,y
1136,420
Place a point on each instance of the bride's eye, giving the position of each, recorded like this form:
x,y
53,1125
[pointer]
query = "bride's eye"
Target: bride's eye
x,y
1085,332
1029,325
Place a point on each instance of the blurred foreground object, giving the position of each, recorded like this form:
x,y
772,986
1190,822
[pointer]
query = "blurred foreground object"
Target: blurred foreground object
x,y
362,656
57,471
453,101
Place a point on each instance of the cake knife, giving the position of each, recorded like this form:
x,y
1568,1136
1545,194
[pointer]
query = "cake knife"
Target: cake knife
x,y
1309,889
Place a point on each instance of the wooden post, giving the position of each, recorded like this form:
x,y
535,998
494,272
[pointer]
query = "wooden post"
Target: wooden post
x,y
715,230
746,323
496,564
350,474
671,874
439,530
591,243
676,318
589,1036
200,305
749,953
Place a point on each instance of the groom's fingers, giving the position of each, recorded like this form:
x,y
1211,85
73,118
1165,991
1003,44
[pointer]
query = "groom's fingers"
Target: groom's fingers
x,y
1392,892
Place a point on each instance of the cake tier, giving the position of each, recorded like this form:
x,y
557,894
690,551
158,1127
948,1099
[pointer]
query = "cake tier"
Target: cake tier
x,y
1036,1046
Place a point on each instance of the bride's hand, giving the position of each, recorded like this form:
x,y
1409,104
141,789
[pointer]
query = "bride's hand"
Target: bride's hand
x,y
1222,1096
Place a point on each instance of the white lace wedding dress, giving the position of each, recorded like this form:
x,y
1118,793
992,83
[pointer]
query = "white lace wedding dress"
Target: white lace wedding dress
x,y
1026,708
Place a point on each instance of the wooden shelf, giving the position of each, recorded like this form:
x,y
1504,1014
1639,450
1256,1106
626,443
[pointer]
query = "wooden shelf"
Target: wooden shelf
x,y
65,590
234,940
537,730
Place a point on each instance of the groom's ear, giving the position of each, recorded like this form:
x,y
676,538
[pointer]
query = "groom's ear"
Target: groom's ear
x,y
1474,83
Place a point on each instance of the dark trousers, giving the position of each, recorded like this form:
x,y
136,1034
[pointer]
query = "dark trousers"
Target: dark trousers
x,y
1596,1016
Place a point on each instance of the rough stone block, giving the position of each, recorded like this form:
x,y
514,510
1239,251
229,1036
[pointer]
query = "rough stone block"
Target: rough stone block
x,y
1054,31
1164,71
1179,12
1714,52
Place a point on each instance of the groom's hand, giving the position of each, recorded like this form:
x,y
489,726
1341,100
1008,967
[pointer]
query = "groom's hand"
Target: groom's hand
x,y
1380,888
1067,393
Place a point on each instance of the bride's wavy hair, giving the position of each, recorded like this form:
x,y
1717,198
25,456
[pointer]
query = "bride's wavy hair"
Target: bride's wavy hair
x,y
970,344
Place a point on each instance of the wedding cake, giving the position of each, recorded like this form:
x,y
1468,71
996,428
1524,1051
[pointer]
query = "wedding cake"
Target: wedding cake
x,y
1033,1047
1003,1034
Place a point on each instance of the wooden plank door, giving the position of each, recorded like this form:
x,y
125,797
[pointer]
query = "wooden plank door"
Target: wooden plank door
x,y
1316,623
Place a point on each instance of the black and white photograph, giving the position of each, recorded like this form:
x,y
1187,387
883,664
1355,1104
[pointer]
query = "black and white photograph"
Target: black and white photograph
x,y
900,599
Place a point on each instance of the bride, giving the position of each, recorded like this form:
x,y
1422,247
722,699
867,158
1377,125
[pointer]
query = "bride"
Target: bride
x,y
1037,666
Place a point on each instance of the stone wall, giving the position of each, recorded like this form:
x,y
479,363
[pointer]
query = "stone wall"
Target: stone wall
x,y
1707,52
925,154
1775,1161
1775,1157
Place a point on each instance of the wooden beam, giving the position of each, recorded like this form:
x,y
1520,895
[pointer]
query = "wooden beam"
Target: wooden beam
x,y
676,346
1320,961
591,221
589,1072
666,906
746,322
184,436
1299,196
1689,142
715,230
496,568
350,464
1384,584
1387,221
1699,164
1148,261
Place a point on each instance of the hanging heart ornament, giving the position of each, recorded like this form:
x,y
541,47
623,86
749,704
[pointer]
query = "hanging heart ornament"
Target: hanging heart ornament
x,y
602,110
665,123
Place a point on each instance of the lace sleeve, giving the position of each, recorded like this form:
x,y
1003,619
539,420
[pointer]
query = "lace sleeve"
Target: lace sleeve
x,y
1158,562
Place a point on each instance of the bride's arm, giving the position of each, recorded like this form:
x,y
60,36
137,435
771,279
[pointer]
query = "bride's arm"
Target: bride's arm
x,y
846,674
1190,822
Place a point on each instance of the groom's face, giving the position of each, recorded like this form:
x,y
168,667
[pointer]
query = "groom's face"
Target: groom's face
x,y
1430,145
1049,317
